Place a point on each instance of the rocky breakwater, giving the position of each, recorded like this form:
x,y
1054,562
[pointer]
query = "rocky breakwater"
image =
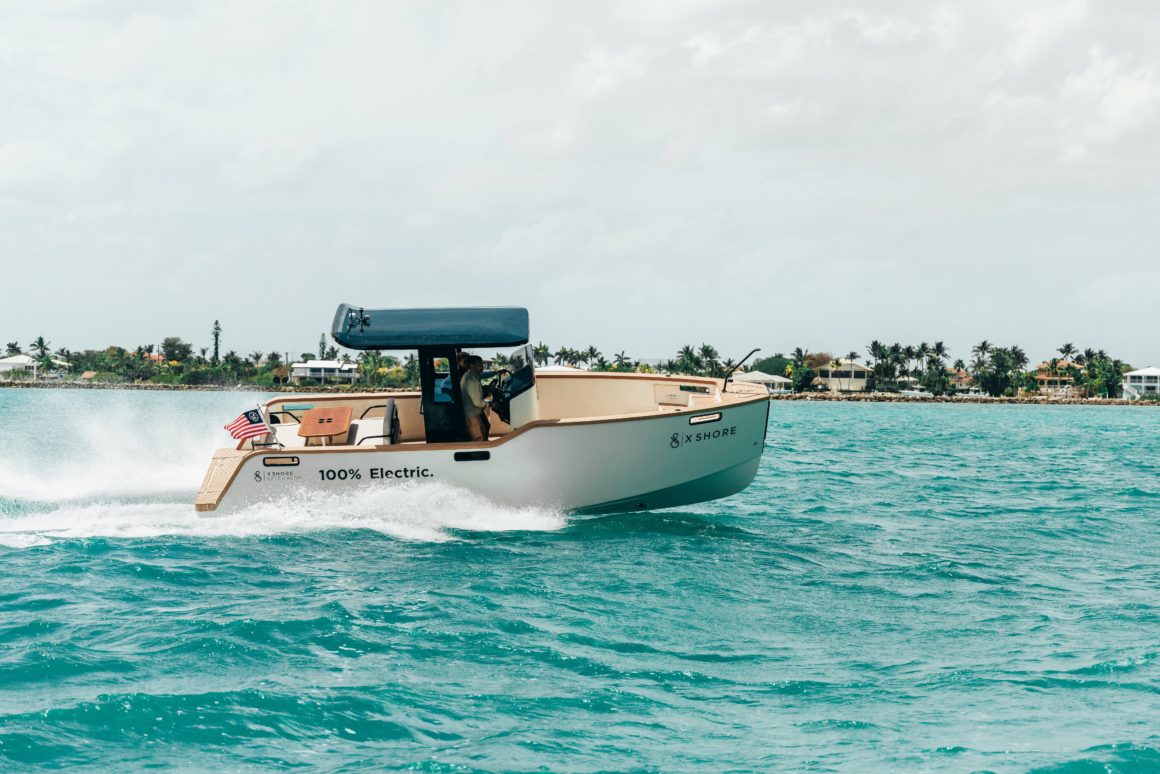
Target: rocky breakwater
x,y
886,397
57,384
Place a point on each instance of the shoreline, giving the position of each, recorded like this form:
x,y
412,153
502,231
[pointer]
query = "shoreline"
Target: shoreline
x,y
151,387
1033,400
801,396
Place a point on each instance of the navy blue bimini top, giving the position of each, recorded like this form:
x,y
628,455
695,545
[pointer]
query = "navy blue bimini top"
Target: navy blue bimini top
x,y
481,326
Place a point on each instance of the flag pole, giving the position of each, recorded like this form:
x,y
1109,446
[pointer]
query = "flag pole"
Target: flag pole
x,y
269,429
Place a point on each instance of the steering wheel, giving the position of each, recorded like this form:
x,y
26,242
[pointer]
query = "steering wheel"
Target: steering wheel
x,y
503,378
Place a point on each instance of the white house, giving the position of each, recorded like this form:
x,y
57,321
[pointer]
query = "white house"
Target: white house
x,y
318,370
774,383
1145,381
849,376
27,363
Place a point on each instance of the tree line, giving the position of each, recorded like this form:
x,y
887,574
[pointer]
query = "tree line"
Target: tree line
x,y
995,370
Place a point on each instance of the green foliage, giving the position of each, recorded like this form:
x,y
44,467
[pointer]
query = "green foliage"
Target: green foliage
x,y
800,371
265,379
999,370
772,365
173,348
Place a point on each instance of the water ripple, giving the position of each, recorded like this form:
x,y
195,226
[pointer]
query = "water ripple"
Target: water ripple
x,y
904,587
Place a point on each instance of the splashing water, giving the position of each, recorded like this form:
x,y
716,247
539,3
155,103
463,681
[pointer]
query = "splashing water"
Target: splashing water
x,y
128,465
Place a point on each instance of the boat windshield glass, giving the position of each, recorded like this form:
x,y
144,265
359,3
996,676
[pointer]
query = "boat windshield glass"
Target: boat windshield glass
x,y
522,366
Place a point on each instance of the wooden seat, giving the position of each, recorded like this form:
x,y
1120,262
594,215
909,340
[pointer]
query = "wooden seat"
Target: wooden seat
x,y
324,425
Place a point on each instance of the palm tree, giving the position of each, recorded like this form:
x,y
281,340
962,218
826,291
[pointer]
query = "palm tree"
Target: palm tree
x,y
1018,357
835,365
40,347
909,352
561,355
982,348
710,360
593,355
12,348
232,362
541,353
620,359
687,360
851,358
257,358
1067,350
368,363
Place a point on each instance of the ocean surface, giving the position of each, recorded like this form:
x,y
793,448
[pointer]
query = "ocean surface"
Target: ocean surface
x,y
903,588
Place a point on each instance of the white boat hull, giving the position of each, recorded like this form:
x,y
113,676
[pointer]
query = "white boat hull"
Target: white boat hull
x,y
591,465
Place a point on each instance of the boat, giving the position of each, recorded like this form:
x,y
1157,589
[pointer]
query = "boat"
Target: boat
x,y
577,441
915,391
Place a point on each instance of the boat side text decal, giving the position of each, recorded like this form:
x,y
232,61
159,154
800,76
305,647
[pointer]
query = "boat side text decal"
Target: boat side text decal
x,y
347,474
677,440
356,474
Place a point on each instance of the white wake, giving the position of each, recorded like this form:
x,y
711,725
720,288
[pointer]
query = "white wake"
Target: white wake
x,y
129,466
424,512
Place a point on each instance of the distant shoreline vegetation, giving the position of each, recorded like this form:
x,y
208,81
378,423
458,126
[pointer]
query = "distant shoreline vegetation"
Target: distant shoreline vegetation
x,y
992,370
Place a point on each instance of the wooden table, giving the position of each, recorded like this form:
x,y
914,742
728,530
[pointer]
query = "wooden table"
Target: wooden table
x,y
325,424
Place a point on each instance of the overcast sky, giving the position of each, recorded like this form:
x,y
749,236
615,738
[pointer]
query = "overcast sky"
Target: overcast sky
x,y
640,175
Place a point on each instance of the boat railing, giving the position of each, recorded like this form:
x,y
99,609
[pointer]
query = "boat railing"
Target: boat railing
x,y
276,417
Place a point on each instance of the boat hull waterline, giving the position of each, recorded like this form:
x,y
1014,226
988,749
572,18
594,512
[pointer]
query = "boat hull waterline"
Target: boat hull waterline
x,y
585,466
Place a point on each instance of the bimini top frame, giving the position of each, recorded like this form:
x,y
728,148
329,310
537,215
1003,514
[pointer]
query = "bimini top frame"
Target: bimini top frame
x,y
485,326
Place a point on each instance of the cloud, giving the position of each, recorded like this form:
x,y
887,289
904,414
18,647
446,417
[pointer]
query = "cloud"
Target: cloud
x,y
271,162
35,170
631,157
603,72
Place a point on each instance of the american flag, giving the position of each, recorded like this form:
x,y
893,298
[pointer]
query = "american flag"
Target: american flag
x,y
248,425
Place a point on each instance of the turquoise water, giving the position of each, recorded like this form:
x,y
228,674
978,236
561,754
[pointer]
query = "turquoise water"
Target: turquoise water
x,y
904,587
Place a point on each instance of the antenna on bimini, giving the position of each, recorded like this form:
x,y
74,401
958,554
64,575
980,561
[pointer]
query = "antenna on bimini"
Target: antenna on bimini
x,y
725,384
357,317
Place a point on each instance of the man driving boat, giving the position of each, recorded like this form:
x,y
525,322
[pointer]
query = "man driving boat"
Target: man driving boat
x,y
474,402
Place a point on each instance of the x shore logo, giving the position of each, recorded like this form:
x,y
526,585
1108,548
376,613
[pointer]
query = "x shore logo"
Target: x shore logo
x,y
677,440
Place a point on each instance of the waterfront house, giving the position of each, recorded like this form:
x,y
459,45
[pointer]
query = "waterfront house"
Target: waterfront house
x,y
775,384
1145,381
850,376
22,364
1055,381
960,381
321,370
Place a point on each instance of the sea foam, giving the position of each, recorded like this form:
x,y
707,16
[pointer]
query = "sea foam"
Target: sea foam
x,y
132,468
